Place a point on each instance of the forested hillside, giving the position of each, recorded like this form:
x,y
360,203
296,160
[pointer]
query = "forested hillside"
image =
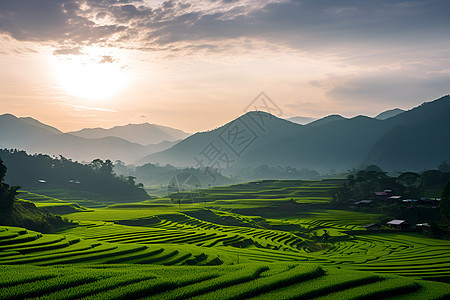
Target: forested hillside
x,y
42,171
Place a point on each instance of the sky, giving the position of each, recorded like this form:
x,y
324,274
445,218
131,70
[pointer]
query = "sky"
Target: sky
x,y
195,65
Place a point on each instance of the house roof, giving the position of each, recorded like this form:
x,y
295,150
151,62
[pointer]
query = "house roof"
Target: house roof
x,y
397,222
363,202
366,201
409,200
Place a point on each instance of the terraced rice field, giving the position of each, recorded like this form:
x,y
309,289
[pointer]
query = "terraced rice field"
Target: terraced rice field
x,y
243,281
388,253
19,246
183,229
151,250
92,267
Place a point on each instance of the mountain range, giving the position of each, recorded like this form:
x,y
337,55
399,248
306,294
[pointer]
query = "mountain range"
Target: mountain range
x,y
144,134
116,144
410,140
395,140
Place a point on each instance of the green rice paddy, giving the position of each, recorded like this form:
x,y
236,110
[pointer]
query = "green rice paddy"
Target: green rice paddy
x,y
269,246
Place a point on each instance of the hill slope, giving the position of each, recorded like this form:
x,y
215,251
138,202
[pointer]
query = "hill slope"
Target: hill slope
x,y
419,145
333,142
252,130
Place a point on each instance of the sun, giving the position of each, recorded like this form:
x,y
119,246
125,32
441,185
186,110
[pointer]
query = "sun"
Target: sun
x,y
90,77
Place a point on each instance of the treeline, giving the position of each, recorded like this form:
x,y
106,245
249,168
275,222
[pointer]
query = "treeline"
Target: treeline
x,y
364,183
154,174
43,171
267,172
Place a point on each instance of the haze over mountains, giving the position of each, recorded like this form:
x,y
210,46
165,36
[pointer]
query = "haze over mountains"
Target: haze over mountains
x,y
301,120
412,140
35,137
389,114
395,140
144,134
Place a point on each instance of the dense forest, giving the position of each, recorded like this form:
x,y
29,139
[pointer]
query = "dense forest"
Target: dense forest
x,y
39,170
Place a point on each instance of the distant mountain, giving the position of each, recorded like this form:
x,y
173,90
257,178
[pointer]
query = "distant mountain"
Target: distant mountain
x,y
415,145
333,142
19,132
327,119
301,120
389,114
35,137
260,128
143,134
36,123
416,139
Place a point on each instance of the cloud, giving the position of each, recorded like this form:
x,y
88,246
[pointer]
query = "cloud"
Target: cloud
x,y
302,25
381,88
69,51
107,59
10,47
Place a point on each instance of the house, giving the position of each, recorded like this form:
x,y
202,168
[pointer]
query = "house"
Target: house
x,y
409,201
394,199
363,203
423,227
383,195
429,202
372,227
398,224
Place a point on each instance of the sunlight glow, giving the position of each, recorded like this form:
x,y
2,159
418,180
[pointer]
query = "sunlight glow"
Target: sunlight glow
x,y
88,77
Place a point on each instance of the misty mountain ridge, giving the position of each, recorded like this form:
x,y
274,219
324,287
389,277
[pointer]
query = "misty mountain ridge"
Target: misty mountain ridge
x,y
35,137
301,120
333,142
415,139
389,114
308,120
144,134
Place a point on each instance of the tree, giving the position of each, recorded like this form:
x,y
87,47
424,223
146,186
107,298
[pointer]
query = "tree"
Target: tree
x,y
131,180
2,170
445,203
444,167
103,167
340,195
7,193
411,182
409,179
432,178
